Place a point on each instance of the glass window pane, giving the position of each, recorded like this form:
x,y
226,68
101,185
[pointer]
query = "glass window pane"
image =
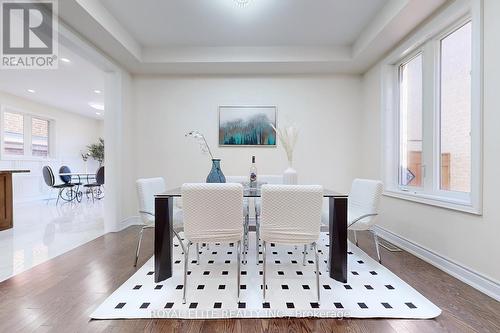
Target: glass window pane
x,y
13,133
39,137
456,110
410,116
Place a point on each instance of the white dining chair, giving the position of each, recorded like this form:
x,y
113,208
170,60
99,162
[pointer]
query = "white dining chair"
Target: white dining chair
x,y
246,210
291,214
362,208
212,213
146,190
267,179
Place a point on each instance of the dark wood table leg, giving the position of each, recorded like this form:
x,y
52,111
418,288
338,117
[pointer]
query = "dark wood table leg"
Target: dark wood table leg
x,y
338,239
163,238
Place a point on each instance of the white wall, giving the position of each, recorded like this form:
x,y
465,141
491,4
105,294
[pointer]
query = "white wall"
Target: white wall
x,y
72,134
325,108
121,200
468,240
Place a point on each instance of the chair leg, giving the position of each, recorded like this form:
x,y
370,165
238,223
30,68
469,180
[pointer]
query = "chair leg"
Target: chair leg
x,y
197,253
245,239
317,270
138,246
238,280
180,241
355,238
264,270
99,192
257,236
186,258
58,196
304,258
77,191
375,238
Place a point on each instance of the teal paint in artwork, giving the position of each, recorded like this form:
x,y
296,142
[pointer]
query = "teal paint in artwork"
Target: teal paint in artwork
x,y
255,130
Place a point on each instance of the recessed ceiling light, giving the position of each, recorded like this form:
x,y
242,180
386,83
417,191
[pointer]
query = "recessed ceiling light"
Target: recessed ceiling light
x,y
242,2
31,91
97,91
97,106
65,60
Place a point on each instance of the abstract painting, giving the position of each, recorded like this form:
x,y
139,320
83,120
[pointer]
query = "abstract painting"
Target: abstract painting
x,y
247,126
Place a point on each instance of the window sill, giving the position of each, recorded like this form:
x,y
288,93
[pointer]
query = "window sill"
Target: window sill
x,y
26,158
434,200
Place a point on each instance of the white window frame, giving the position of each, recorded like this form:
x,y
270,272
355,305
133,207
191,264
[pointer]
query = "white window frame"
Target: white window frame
x,y
427,40
414,54
27,135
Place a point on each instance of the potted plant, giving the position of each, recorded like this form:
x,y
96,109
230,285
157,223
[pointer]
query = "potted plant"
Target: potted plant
x,y
96,151
215,175
85,157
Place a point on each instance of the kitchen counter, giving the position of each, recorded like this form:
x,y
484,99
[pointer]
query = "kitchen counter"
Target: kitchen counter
x,y
6,206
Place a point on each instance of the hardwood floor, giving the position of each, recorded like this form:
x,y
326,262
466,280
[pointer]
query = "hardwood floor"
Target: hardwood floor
x,y
59,295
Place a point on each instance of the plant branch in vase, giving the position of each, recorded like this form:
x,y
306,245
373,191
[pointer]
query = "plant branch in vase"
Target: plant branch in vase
x,y
96,151
215,175
288,137
85,157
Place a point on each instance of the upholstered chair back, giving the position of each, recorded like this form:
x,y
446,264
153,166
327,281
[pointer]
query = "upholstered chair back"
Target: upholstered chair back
x,y
291,214
147,188
364,199
48,176
271,179
213,212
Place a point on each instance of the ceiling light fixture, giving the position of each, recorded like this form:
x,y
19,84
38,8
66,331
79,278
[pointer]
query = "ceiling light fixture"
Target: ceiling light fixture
x,y
65,60
97,91
31,91
242,3
97,106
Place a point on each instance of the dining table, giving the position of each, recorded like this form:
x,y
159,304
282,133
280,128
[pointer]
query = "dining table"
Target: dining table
x,y
88,176
163,241
79,175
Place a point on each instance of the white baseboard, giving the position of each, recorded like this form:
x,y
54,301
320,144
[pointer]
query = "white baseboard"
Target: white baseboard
x,y
464,274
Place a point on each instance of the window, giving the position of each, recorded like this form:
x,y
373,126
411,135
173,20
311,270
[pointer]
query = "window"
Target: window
x,y
13,133
39,137
432,115
455,108
410,115
25,136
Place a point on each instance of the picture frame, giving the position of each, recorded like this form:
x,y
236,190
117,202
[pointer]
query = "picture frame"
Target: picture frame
x,y
247,126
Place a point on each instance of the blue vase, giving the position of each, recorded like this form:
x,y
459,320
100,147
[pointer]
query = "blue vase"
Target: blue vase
x,y
216,175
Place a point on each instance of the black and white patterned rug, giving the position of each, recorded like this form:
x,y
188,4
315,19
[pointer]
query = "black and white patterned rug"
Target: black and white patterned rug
x,y
371,291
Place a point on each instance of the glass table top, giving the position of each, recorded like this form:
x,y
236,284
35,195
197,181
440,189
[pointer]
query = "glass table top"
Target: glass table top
x,y
248,192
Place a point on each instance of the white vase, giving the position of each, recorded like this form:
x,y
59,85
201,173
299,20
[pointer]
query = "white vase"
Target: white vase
x,y
290,176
